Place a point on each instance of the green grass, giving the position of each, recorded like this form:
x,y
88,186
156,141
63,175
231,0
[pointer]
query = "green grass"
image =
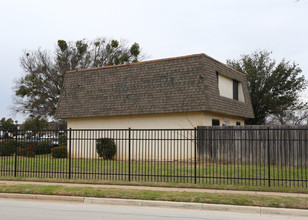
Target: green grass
x,y
241,187
44,166
210,198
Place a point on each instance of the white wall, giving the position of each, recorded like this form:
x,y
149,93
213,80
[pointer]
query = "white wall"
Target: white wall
x,y
172,149
151,121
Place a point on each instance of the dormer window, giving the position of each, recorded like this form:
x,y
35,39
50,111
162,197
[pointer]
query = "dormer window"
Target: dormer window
x,y
230,88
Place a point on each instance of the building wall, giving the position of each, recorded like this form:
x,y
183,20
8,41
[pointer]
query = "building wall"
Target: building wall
x,y
152,121
87,148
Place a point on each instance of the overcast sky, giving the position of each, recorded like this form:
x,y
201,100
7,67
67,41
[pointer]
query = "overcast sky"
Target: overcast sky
x,y
223,29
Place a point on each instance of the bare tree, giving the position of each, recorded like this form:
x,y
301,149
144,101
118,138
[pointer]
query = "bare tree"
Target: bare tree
x,y
37,92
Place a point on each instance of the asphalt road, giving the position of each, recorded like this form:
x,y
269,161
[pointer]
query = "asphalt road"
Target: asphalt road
x,y
33,210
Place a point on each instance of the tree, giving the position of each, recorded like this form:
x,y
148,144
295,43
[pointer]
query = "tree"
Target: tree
x,y
35,123
274,88
296,117
37,92
7,125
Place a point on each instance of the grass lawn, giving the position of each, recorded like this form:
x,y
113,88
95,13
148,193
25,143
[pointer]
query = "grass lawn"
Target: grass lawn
x,y
239,187
44,166
211,198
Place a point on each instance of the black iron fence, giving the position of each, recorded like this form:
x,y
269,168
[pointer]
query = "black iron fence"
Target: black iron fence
x,y
212,155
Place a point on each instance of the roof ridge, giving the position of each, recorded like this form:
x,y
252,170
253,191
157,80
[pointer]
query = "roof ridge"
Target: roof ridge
x,y
223,64
143,62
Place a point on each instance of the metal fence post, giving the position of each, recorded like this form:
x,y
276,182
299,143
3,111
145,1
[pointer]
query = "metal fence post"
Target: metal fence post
x,y
69,154
195,134
268,157
16,144
129,139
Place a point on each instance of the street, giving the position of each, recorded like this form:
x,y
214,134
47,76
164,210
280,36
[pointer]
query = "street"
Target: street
x,y
29,209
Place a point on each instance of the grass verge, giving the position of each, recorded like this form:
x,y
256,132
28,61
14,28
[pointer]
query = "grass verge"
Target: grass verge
x,y
285,189
210,198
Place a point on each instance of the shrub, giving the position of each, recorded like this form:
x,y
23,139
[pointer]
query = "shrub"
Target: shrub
x,y
7,147
26,149
28,145
59,152
106,148
43,147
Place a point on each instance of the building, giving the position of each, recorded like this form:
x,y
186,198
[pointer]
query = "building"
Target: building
x,y
180,92
175,93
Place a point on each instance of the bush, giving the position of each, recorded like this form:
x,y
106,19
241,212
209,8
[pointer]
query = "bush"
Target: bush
x,y
59,152
43,147
106,148
26,149
7,147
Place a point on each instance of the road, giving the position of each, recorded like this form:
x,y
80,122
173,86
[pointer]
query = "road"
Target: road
x,y
32,210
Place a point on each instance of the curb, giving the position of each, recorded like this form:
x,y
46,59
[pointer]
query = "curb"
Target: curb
x,y
42,197
161,204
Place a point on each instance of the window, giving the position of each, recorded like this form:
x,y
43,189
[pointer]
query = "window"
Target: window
x,y
238,123
235,89
230,88
215,122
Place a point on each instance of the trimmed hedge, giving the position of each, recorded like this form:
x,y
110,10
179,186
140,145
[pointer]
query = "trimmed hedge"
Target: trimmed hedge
x,y
7,147
59,152
43,147
106,148
27,149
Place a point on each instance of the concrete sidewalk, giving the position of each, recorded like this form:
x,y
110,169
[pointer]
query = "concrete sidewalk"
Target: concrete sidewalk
x,y
169,189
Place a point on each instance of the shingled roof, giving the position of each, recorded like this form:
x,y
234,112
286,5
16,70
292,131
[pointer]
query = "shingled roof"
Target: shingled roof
x,y
180,84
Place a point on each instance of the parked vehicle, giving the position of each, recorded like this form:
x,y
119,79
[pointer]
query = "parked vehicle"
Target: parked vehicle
x,y
32,139
21,137
54,139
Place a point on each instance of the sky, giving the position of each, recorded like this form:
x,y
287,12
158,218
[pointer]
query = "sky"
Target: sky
x,y
222,29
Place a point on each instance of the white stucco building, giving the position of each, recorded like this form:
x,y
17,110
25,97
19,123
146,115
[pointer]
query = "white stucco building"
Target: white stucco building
x,y
175,93
180,92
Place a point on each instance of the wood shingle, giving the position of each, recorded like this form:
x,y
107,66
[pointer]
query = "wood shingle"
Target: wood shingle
x,y
181,84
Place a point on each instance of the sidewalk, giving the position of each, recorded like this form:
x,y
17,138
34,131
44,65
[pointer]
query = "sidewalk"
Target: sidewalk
x,y
170,189
162,204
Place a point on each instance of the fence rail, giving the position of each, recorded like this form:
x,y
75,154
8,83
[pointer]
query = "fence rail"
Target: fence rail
x,y
214,155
